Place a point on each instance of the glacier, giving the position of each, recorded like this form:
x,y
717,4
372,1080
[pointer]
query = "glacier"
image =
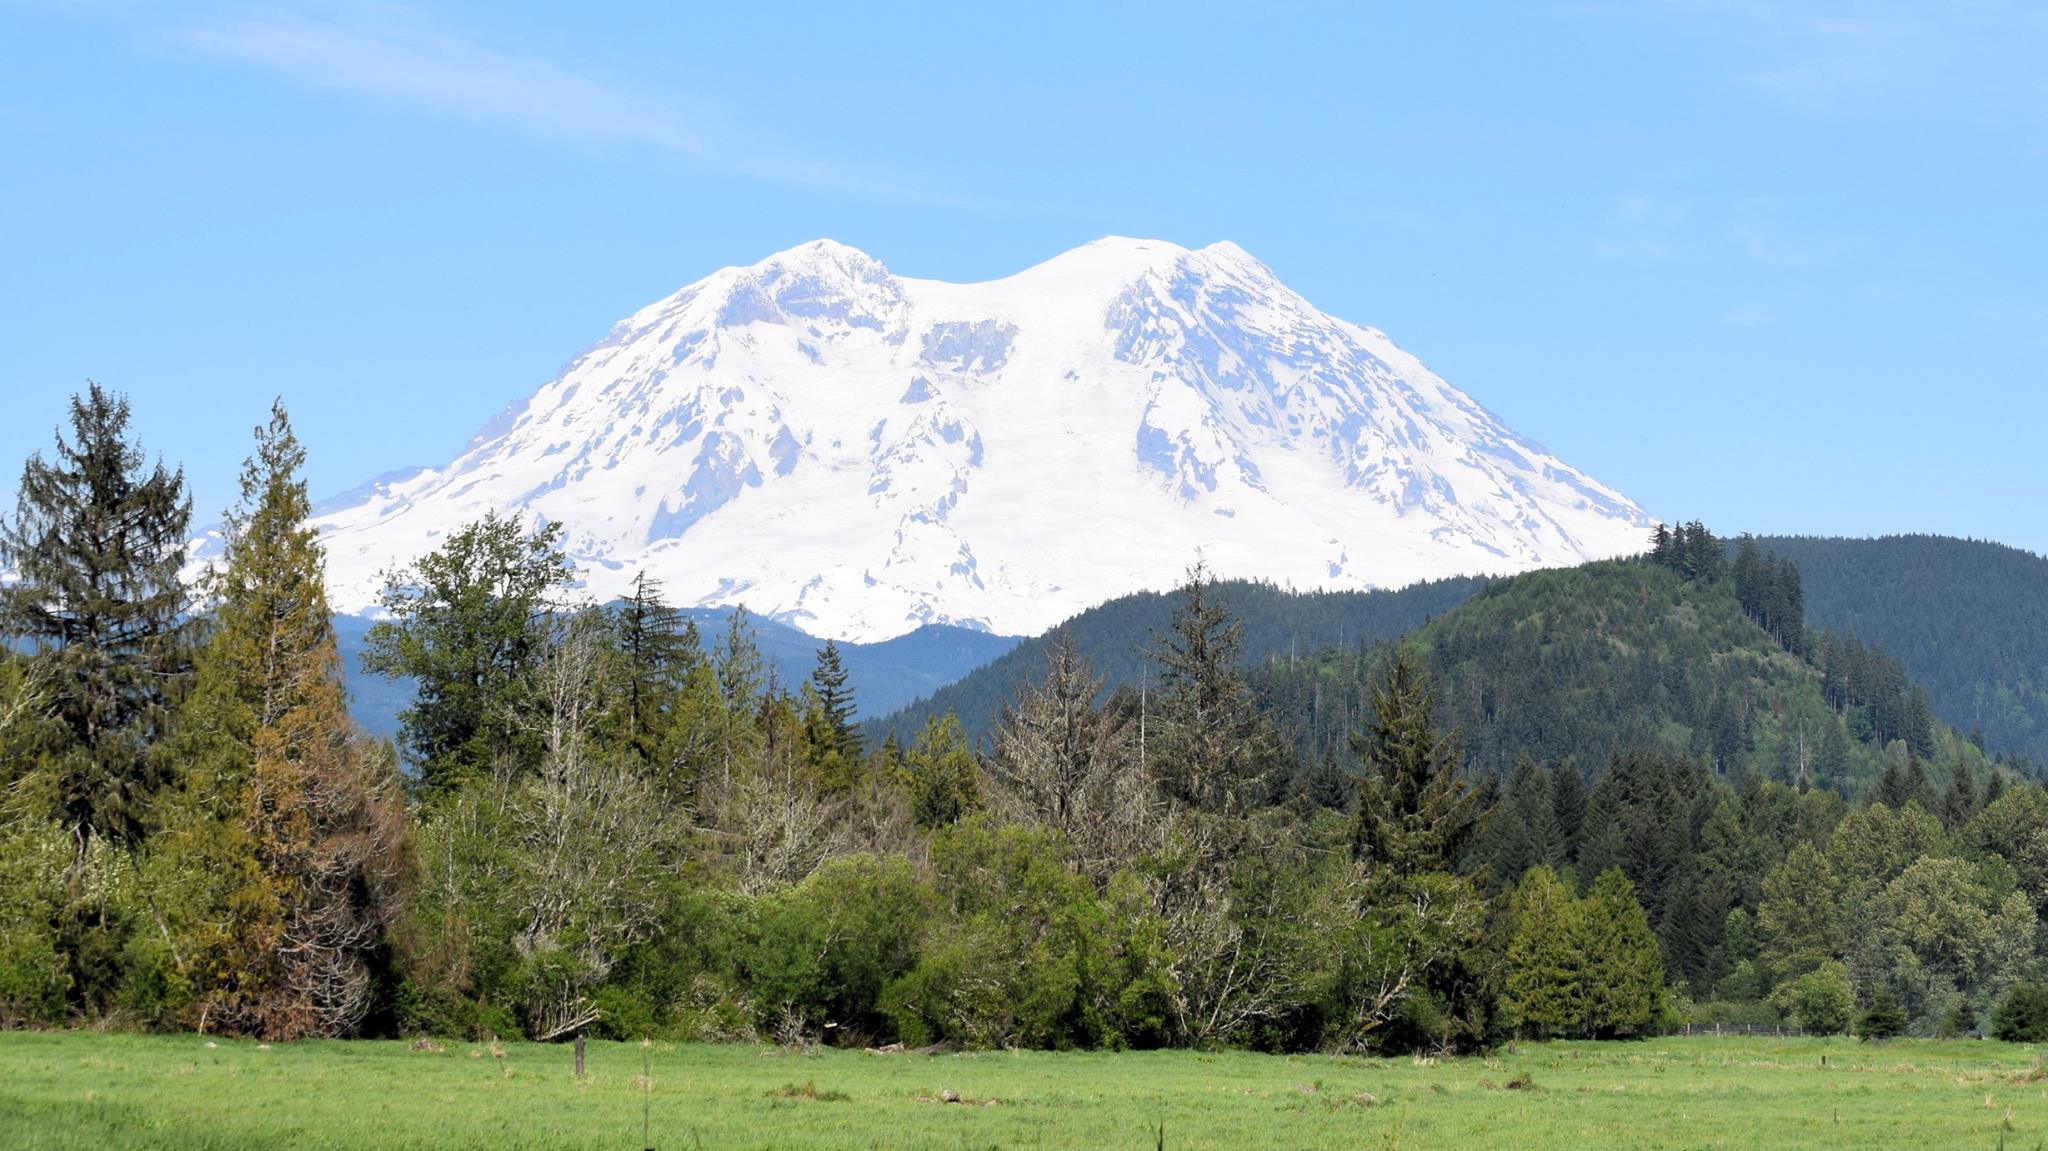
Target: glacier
x,y
858,454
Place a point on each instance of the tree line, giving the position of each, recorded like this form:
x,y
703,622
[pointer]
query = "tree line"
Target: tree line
x,y
595,819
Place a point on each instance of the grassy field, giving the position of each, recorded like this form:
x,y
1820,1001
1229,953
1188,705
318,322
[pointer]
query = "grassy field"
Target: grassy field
x,y
102,1091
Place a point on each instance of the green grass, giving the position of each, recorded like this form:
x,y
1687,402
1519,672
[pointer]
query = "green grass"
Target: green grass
x,y
111,1091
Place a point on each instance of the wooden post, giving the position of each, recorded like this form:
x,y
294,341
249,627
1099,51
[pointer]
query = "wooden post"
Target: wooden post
x,y
579,1055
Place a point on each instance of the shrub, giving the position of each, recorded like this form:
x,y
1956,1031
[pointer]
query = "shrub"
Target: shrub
x,y
1820,1001
1962,1020
1884,1019
2023,1017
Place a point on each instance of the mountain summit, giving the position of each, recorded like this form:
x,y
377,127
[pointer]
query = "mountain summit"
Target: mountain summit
x,y
859,453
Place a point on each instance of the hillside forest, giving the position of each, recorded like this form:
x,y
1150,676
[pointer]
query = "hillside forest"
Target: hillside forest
x,y
1593,802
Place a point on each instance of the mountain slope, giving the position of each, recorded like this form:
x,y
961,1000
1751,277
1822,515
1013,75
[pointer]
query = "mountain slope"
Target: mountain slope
x,y
1278,624
857,453
884,676
1967,618
1584,663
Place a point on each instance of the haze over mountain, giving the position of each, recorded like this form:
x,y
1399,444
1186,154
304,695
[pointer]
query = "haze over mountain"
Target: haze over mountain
x,y
857,454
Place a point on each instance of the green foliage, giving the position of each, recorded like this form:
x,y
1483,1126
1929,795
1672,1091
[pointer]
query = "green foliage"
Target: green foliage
x,y
1820,1001
1624,974
468,625
1797,919
1212,749
831,945
1544,994
1883,1019
944,782
1968,619
1414,813
94,553
2023,1016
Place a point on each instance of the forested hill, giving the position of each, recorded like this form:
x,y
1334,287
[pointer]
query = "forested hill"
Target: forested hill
x,y
1583,663
1115,636
884,675
1966,618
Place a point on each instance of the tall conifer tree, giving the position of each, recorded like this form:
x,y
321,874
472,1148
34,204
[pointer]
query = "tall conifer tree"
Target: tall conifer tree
x,y
96,546
288,815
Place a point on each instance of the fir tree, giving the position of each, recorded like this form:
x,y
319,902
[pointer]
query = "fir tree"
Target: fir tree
x,y
1883,1019
1211,748
1414,813
943,779
1545,992
1568,802
658,649
287,816
835,697
1959,803
1796,920
95,548
1624,973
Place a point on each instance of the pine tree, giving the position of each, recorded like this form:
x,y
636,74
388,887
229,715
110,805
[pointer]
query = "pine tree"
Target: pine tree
x,y
1959,803
943,779
95,548
1994,786
1831,769
1211,747
1414,813
1053,746
829,680
468,625
1884,1019
658,649
1568,801
1544,992
286,810
1624,973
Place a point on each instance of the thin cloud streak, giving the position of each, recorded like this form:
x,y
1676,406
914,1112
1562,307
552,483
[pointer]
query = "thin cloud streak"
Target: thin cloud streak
x,y
393,54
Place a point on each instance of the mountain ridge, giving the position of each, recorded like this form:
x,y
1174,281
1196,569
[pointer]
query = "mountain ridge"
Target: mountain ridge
x,y
857,453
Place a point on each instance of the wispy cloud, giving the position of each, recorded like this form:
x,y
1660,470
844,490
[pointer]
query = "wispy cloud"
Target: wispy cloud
x,y
395,54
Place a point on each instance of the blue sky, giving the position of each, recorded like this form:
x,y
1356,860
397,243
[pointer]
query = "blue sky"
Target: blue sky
x,y
1778,267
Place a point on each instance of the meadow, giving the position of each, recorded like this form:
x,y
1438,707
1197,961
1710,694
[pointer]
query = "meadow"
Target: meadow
x,y
75,1089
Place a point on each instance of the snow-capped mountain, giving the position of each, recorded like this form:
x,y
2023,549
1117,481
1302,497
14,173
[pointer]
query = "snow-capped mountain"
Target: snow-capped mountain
x,y
859,453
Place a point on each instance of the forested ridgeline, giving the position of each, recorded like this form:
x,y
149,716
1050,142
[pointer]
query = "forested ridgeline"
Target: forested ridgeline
x,y
1582,664
1967,618
596,819
1114,638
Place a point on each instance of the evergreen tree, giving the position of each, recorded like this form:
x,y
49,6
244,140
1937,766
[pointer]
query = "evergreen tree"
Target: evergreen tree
x,y
1211,746
835,700
943,779
1568,801
1053,746
468,625
1994,786
1959,803
738,674
1884,1018
95,549
1544,992
1831,769
1414,813
286,815
1624,973
658,650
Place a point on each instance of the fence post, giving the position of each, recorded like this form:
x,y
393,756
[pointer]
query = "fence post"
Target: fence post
x,y
579,1055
